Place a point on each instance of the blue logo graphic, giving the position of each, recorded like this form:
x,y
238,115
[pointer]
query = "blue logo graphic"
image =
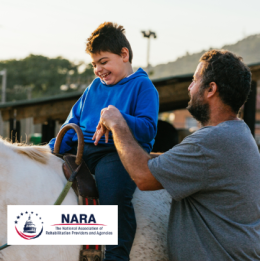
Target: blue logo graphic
x,y
27,224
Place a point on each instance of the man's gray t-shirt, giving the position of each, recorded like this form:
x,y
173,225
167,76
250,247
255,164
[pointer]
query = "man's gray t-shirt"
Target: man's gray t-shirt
x,y
213,177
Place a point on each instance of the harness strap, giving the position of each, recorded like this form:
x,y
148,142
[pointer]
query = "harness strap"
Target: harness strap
x,y
63,193
4,246
66,189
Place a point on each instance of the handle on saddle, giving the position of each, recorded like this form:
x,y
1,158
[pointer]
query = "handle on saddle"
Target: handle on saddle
x,y
60,136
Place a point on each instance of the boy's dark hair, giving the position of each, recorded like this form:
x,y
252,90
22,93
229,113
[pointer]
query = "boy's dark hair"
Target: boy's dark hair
x,y
231,75
109,37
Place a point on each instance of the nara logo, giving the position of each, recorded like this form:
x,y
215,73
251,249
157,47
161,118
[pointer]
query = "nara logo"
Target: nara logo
x,y
28,225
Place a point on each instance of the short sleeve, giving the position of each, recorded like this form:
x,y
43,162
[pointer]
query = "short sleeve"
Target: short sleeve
x,y
182,171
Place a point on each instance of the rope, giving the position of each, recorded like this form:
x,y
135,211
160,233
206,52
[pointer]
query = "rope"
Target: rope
x,y
63,193
4,246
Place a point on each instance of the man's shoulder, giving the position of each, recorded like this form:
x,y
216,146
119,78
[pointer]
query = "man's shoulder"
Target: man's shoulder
x,y
233,129
224,133
198,136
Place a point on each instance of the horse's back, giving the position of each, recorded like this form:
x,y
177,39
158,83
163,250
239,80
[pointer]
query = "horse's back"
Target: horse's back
x,y
152,209
24,181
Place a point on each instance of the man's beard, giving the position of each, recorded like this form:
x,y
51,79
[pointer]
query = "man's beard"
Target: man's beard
x,y
198,109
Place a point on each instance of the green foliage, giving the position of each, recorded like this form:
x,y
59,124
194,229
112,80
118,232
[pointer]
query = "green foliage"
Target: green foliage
x,y
36,76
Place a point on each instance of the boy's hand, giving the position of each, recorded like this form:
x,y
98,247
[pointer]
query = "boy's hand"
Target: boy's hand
x,y
109,117
100,131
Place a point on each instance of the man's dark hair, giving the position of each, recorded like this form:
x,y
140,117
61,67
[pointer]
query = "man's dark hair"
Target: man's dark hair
x,y
109,37
231,75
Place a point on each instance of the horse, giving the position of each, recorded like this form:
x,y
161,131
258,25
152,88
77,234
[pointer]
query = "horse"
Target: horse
x,y
32,175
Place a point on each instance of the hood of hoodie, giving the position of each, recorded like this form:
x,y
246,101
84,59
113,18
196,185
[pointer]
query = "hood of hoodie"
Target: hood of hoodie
x,y
139,73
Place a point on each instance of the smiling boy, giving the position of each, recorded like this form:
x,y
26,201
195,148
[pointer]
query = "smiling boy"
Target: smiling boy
x,y
109,66
137,99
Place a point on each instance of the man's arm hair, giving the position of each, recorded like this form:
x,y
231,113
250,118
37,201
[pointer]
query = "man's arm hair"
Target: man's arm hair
x,y
134,158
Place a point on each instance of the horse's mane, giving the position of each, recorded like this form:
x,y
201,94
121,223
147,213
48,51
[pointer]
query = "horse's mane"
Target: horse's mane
x,y
37,153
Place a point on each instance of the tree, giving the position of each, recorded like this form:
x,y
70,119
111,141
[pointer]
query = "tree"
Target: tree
x,y
36,76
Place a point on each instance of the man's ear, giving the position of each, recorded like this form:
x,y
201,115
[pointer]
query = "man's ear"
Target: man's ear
x,y
125,54
212,90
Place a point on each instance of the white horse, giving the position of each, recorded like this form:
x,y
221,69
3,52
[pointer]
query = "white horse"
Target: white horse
x,y
31,175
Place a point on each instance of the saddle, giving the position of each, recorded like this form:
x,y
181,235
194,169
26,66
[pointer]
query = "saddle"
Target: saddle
x,y
85,188
84,184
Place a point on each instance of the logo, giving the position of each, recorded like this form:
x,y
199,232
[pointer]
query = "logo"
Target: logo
x,y
62,225
28,225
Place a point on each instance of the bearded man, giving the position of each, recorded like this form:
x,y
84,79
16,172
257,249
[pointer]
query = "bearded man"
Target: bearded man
x,y
213,175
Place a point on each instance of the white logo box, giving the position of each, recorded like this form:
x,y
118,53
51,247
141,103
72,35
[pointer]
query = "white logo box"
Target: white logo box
x,y
62,225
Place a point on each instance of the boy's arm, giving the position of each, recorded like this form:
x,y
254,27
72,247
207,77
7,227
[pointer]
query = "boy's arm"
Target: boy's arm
x,y
143,123
73,117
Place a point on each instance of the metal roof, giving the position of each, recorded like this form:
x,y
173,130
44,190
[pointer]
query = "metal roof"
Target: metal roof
x,y
253,64
177,77
79,93
41,100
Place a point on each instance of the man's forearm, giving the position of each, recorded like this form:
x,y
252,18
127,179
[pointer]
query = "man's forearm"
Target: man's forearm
x,y
133,157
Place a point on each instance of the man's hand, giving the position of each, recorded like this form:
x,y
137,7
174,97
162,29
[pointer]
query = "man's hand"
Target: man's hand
x,y
111,116
133,157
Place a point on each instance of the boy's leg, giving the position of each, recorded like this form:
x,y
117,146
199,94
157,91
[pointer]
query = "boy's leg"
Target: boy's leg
x,y
117,188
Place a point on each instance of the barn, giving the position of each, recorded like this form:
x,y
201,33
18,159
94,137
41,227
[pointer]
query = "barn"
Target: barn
x,y
47,114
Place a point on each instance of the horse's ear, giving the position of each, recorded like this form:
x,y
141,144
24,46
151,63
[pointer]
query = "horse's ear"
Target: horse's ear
x,y
37,153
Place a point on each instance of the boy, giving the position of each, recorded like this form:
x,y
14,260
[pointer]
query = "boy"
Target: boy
x,y
137,99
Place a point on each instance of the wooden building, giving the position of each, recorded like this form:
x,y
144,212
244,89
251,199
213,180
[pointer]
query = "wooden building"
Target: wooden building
x,y
173,95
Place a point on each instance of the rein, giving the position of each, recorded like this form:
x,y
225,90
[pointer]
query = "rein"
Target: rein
x,y
4,246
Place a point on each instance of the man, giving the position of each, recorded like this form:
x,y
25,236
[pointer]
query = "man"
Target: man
x,y
213,176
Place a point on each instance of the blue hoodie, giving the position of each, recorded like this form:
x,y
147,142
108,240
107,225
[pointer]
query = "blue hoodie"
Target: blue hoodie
x,y
136,98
